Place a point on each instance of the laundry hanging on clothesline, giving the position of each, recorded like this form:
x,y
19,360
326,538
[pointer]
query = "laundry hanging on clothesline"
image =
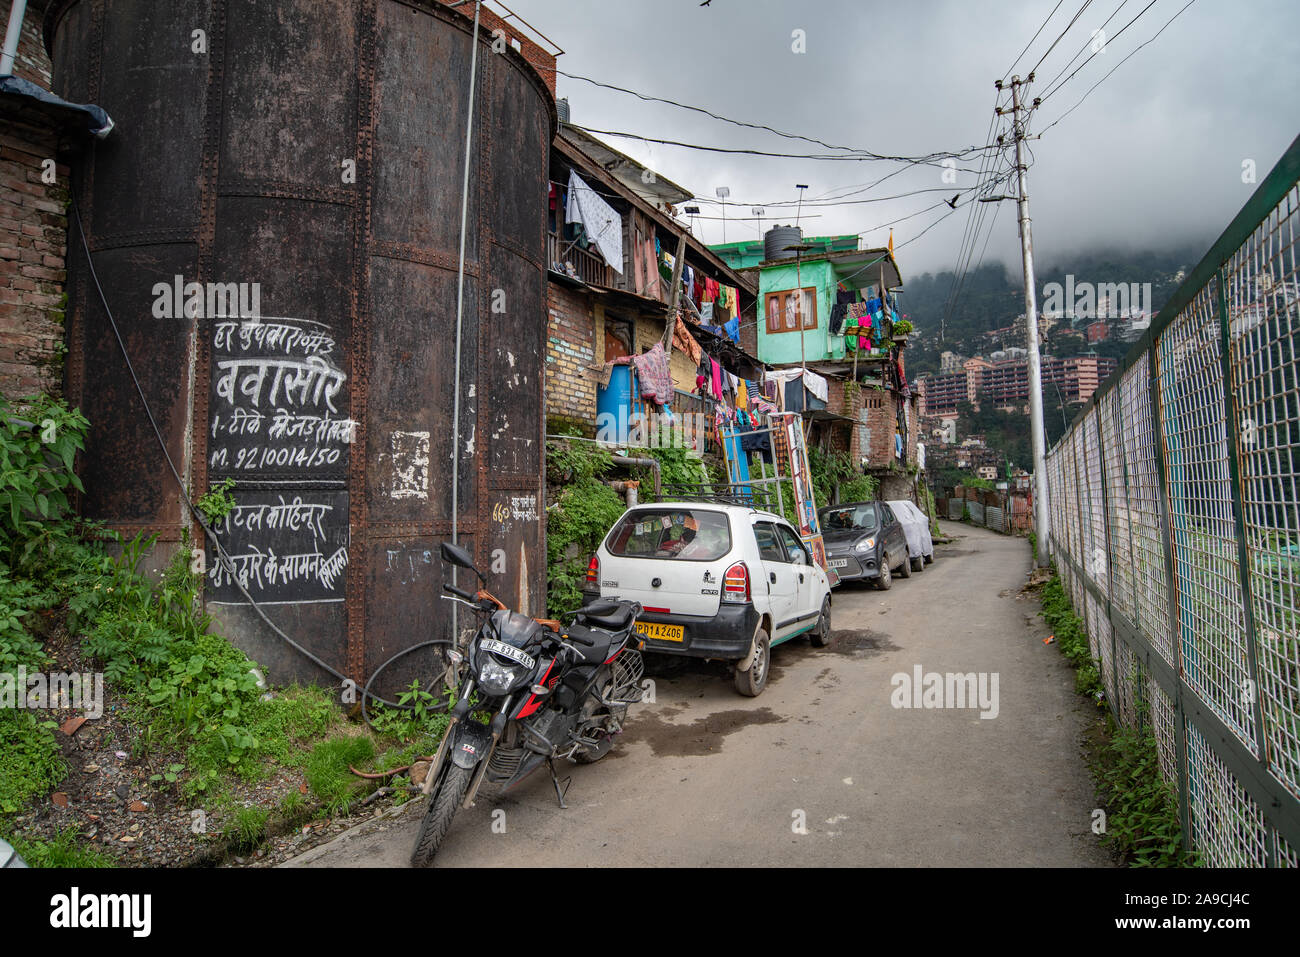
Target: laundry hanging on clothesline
x,y
814,383
602,223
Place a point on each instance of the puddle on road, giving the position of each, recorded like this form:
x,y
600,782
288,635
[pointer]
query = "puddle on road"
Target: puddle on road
x,y
854,643
704,735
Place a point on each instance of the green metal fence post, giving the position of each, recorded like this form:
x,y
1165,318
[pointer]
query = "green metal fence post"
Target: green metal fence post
x,y
1110,552
1232,425
1132,552
1171,579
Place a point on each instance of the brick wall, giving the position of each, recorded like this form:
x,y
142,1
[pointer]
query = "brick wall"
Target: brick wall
x,y
32,63
33,239
542,61
570,349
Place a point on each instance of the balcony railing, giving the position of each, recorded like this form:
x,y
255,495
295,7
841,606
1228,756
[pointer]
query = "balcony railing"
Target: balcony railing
x,y
590,266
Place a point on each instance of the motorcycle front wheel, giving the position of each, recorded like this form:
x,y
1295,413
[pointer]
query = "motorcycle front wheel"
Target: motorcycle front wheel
x,y
443,805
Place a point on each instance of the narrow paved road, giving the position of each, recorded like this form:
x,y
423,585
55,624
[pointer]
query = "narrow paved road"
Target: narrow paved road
x,y
706,777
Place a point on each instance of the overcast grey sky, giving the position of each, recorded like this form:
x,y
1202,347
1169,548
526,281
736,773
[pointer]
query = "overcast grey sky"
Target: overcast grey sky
x,y
1152,158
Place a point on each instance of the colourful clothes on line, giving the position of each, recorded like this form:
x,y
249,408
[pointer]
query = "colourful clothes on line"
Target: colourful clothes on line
x,y
656,377
683,340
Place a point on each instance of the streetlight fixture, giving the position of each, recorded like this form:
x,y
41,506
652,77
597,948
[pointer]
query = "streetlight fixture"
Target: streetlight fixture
x,y
722,193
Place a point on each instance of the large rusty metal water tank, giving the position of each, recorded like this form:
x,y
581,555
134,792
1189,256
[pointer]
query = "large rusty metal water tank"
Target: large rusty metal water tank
x,y
303,159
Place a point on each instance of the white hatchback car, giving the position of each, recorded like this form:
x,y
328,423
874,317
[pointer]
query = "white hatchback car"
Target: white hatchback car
x,y
716,581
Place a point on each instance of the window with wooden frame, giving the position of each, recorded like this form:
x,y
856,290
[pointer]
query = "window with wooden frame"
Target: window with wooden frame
x,y
785,308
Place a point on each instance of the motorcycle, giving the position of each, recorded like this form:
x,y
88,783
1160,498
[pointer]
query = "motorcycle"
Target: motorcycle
x,y
530,691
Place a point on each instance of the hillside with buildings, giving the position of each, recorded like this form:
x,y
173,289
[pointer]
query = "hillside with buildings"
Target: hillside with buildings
x,y
989,310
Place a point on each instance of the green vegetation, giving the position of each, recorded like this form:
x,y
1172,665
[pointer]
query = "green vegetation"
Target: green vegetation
x,y
246,828
1142,821
30,761
420,719
930,509
582,512
1071,638
993,296
217,502
834,472
327,771
67,849
188,694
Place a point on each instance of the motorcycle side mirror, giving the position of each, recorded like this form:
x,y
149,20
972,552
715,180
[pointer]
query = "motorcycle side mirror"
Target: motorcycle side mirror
x,y
457,555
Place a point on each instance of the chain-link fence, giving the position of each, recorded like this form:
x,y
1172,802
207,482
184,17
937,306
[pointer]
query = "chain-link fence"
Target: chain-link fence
x,y
1175,513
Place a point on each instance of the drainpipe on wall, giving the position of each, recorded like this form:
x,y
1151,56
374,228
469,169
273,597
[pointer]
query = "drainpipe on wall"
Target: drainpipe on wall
x,y
16,13
649,463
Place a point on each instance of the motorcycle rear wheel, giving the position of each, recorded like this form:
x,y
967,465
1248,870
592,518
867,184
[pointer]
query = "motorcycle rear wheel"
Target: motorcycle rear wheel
x,y
591,757
443,805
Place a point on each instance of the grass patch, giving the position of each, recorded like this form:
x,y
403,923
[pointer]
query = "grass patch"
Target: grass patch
x,y
30,761
327,771
66,849
1071,638
1142,822
246,828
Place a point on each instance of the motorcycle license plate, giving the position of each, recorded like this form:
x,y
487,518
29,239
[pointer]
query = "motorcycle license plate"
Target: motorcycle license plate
x,y
653,629
509,651
839,563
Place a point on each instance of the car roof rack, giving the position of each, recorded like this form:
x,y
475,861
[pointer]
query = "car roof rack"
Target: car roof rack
x,y
750,495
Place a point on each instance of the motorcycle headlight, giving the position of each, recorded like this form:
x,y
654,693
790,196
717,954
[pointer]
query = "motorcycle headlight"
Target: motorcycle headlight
x,y
864,546
496,678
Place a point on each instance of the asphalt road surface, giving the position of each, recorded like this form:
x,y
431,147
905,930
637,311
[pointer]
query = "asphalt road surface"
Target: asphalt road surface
x,y
822,768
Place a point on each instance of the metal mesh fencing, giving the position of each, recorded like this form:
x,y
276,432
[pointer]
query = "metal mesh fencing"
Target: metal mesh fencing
x,y
1174,499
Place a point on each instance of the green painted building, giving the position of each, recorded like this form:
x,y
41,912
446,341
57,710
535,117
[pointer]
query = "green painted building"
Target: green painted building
x,y
819,276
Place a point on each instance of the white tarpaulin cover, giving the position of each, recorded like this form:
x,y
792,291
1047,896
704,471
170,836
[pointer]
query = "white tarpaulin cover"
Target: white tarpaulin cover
x,y
916,528
602,222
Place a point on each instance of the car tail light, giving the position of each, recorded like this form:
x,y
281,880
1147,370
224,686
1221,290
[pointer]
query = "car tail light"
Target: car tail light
x,y
593,571
735,583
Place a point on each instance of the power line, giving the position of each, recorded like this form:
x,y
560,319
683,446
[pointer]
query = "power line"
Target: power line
x,y
1068,27
1085,43
847,202
927,159
1043,98
1032,39
862,157
1116,67
974,223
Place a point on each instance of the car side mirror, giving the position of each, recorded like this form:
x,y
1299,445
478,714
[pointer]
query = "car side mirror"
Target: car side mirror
x,y
797,556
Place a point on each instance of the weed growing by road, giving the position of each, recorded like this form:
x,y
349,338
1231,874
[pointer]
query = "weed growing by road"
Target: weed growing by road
x,y
1142,822
67,849
1072,638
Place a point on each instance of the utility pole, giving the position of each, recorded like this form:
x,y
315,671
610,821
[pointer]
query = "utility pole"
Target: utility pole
x,y
1038,435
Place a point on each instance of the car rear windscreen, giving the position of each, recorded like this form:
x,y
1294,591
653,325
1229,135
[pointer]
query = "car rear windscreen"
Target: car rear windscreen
x,y
695,535
858,517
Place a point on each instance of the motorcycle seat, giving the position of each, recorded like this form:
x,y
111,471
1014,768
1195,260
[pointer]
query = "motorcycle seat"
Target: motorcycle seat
x,y
605,613
598,650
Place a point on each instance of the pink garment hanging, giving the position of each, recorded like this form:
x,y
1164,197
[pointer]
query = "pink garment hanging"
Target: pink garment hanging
x,y
717,378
